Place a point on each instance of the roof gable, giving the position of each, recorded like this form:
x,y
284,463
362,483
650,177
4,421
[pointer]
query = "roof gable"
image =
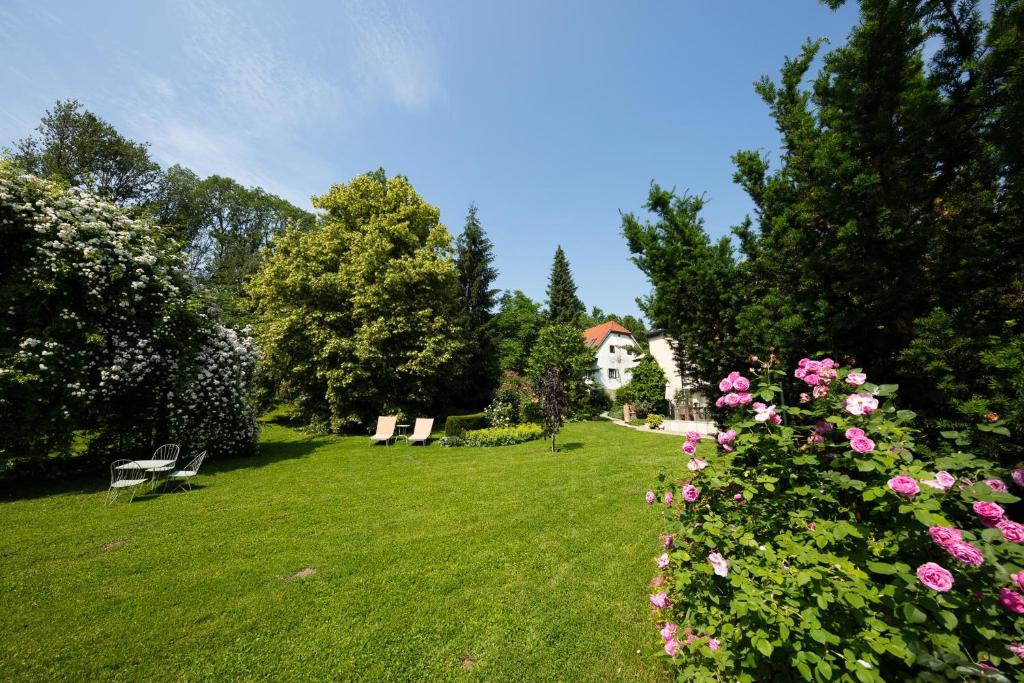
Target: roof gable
x,y
595,336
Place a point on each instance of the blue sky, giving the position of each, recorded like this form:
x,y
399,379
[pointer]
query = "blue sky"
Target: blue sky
x,y
551,116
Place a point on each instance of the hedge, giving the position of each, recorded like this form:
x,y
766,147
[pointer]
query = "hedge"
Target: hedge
x,y
458,425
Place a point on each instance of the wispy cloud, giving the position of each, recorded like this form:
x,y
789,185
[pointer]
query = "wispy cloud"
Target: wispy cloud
x,y
250,71
394,55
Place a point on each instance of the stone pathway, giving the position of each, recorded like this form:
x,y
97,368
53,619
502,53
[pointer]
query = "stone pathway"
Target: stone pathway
x,y
670,427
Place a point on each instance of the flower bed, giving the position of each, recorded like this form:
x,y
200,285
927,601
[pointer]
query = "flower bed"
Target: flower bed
x,y
496,436
834,544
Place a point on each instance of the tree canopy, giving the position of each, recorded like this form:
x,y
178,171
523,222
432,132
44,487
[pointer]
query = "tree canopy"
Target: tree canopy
x,y
360,316
81,149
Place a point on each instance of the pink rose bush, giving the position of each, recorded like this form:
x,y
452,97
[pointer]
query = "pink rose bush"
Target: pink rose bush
x,y
886,554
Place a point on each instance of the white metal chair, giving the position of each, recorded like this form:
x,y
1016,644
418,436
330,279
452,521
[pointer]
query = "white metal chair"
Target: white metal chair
x,y
124,474
169,451
184,476
385,429
421,432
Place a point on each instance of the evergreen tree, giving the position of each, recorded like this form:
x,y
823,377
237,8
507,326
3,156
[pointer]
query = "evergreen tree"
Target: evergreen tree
x,y
890,232
474,258
564,307
516,326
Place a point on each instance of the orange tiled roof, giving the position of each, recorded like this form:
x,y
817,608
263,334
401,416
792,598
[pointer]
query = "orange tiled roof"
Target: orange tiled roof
x,y
595,336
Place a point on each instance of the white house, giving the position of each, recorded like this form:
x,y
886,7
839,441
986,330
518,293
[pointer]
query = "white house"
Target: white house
x,y
685,402
614,362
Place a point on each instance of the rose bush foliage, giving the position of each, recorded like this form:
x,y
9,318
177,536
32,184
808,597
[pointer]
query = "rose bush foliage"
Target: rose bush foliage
x,y
827,541
101,334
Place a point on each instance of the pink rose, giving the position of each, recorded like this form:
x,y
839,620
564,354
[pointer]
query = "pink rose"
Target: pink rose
x,y
668,498
696,465
904,485
863,444
854,433
720,402
666,540
725,385
855,379
733,376
965,553
690,493
663,561
689,448
713,644
1018,578
669,631
672,647
805,398
823,427
744,398
1018,477
943,480
812,379
861,403
935,577
650,497
693,436
738,498
732,400
741,384
803,362
1011,600
997,485
1012,531
659,599
1018,650
945,536
820,391
812,366
763,412
989,510
719,564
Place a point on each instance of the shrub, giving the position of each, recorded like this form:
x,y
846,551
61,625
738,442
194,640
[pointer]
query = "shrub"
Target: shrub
x,y
496,436
458,425
834,544
654,421
102,337
501,413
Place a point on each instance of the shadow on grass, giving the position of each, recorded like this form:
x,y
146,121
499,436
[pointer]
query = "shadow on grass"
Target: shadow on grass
x,y
571,446
84,484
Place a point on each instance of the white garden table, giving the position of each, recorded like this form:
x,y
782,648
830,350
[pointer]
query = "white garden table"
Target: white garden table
x,y
150,466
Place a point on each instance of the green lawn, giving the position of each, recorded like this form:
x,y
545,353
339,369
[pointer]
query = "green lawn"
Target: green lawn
x,y
432,563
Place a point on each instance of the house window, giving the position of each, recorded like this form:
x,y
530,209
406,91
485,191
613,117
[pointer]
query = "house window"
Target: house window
x,y
611,349
613,373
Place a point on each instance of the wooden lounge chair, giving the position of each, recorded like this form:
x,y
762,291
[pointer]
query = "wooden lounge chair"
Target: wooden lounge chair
x,y
421,432
385,429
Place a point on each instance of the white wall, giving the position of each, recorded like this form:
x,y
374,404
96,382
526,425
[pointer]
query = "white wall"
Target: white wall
x,y
620,360
661,346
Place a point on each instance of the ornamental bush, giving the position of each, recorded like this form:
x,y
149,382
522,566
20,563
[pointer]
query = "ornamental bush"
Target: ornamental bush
x,y
458,425
827,541
101,338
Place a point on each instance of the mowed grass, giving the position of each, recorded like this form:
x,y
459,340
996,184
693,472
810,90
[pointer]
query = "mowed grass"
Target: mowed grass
x,y
430,563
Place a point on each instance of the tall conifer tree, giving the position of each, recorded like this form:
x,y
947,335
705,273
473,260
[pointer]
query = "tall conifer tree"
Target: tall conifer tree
x,y
474,261
564,307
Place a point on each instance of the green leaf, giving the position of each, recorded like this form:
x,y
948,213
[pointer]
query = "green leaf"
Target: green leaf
x,y
819,635
824,669
887,389
765,647
924,517
906,415
913,614
950,435
882,568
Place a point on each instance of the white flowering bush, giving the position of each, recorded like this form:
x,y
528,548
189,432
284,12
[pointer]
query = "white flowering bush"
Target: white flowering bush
x,y
100,335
